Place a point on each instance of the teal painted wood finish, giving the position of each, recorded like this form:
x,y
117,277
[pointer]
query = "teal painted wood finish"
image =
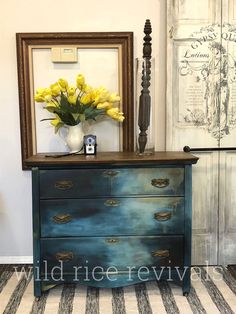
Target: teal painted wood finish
x,y
113,279
148,181
74,183
117,216
121,253
112,216
99,182
36,231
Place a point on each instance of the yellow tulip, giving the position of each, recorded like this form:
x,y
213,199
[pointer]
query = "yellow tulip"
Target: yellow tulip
x,y
39,98
100,95
87,88
43,95
114,97
48,98
72,99
40,90
80,81
86,99
104,105
55,89
120,117
63,84
115,114
71,90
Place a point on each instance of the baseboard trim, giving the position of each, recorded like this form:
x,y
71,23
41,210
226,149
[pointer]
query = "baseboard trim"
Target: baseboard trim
x,y
16,259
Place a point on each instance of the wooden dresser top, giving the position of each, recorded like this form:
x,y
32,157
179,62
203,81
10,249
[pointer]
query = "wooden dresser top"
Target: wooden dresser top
x,y
113,158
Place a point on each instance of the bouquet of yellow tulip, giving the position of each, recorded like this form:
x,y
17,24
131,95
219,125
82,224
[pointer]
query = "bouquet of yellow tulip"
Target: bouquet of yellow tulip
x,y
72,105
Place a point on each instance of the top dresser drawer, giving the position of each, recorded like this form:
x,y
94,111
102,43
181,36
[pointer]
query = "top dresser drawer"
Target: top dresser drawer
x,y
111,182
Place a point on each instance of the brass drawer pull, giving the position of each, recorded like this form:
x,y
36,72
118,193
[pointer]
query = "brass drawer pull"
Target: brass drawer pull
x,y
64,256
163,216
112,241
63,185
110,173
160,183
161,253
112,203
62,218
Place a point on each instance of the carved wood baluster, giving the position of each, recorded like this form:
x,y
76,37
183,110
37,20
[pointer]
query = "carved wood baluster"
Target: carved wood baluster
x,y
145,98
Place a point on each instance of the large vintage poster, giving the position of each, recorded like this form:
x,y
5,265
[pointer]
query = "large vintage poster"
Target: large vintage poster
x,y
207,79
201,113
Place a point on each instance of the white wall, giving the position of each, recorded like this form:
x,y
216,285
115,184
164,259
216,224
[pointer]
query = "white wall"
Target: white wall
x,y
58,16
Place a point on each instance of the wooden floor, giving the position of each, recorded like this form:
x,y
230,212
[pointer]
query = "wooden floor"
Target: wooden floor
x,y
213,291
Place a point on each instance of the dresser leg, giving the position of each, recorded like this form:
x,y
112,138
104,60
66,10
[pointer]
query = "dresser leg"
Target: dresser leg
x,y
37,290
187,282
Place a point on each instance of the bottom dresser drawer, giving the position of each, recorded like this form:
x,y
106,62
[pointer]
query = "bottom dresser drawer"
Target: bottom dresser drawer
x,y
99,254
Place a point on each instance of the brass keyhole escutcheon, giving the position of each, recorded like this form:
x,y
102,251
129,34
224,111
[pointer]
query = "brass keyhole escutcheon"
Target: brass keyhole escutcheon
x,y
110,173
112,203
112,241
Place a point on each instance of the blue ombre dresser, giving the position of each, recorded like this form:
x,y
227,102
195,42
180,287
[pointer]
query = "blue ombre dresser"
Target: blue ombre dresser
x,y
112,220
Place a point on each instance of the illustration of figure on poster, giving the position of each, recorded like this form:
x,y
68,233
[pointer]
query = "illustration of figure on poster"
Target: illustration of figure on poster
x,y
217,92
218,75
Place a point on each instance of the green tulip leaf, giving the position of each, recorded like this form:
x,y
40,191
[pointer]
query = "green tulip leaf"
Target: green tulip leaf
x,y
58,126
76,116
82,117
51,109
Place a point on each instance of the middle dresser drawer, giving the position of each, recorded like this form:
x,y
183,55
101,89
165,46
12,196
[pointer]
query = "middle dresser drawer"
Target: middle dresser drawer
x,y
112,216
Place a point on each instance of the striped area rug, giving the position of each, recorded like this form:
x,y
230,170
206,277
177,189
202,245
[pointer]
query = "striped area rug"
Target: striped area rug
x,y
213,291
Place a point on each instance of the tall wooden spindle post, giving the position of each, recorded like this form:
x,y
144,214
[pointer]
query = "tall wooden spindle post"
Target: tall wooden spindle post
x,y
145,98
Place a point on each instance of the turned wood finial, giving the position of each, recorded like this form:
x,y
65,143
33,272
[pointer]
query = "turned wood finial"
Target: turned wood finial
x,y
147,45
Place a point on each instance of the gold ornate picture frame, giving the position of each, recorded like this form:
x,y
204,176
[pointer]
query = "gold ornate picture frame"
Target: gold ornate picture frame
x,y
28,43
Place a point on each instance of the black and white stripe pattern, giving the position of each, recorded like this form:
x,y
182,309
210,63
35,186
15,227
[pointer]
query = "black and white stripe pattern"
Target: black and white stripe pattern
x,y
213,291
118,301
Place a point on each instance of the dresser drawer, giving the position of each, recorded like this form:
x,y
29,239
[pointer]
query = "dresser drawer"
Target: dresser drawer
x,y
148,181
104,252
113,182
74,183
116,216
